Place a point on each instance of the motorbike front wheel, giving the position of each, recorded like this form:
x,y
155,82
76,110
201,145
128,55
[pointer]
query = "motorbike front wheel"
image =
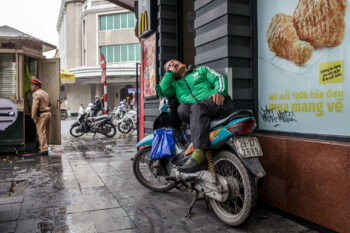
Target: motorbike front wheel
x,y
64,116
150,173
243,195
109,130
76,131
124,128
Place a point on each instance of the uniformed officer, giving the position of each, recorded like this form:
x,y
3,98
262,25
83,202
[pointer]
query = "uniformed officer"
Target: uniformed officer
x,y
41,114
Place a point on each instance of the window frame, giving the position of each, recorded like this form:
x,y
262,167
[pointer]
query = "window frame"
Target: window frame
x,y
113,15
106,53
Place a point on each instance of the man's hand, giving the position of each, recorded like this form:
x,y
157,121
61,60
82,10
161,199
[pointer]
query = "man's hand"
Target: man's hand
x,y
35,121
218,99
172,67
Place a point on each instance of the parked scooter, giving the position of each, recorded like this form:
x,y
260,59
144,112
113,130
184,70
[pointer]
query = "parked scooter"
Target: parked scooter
x,y
128,123
64,113
229,183
101,124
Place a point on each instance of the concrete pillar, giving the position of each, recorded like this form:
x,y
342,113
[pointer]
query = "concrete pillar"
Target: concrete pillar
x,y
99,90
78,34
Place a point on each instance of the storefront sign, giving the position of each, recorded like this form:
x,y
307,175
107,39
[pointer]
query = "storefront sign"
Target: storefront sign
x,y
146,15
304,86
132,90
8,45
149,66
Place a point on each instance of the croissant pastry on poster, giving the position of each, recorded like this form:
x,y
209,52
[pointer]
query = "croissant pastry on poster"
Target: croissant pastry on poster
x,y
283,40
320,22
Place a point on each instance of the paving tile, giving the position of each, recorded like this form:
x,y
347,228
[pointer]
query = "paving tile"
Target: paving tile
x,y
34,225
97,193
45,214
114,224
11,199
8,226
9,212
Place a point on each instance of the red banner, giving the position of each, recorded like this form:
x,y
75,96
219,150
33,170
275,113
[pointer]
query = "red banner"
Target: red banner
x,y
103,67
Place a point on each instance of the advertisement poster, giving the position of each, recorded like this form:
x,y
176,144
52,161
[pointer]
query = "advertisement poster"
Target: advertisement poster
x,y
303,49
149,66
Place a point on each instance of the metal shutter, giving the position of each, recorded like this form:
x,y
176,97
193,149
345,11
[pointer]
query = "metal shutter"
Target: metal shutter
x,y
7,75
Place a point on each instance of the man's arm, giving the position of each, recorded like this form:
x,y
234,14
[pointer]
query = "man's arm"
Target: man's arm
x,y
219,81
35,106
167,85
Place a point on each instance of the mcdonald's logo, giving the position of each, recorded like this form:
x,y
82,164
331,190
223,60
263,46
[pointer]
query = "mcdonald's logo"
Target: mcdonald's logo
x,y
143,24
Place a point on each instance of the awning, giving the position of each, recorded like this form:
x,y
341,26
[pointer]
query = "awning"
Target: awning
x,y
67,77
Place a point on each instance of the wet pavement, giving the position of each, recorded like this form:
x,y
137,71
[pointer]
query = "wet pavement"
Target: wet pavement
x,y
87,185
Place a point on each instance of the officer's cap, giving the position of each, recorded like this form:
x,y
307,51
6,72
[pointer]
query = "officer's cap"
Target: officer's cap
x,y
36,81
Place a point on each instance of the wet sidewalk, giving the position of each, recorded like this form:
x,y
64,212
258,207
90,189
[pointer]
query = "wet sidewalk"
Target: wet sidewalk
x,y
87,185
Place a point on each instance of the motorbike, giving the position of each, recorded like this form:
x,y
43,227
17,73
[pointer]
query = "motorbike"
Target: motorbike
x,y
64,113
101,124
229,184
128,122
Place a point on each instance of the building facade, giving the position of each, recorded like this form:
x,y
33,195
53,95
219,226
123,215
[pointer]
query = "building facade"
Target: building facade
x,y
304,136
87,28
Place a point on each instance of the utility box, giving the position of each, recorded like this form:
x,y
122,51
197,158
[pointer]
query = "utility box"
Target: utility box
x,y
21,56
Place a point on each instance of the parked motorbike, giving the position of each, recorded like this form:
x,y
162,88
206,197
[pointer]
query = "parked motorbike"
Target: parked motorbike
x,y
229,182
120,111
101,124
64,113
128,122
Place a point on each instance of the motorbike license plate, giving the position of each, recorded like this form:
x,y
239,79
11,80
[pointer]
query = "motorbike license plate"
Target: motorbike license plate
x,y
248,147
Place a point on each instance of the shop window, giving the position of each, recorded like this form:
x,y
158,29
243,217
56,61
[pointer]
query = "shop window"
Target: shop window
x,y
8,76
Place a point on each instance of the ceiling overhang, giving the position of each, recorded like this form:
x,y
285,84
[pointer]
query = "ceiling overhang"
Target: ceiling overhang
x,y
127,4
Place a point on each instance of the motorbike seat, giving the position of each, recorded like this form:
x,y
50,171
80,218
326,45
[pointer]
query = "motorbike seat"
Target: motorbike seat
x,y
102,117
223,121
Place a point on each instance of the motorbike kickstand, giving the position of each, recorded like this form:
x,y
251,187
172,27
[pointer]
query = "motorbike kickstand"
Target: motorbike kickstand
x,y
94,135
206,199
195,198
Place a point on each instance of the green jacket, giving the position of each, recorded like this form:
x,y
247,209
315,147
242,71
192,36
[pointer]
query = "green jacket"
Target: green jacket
x,y
202,81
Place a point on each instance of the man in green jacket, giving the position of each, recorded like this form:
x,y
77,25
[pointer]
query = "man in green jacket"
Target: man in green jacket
x,y
203,96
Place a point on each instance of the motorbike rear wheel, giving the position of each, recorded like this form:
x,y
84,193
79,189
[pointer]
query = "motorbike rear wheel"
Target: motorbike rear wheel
x,y
243,195
111,130
64,116
74,133
153,179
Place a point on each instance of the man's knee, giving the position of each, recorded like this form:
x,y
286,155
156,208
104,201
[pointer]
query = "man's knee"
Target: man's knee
x,y
184,111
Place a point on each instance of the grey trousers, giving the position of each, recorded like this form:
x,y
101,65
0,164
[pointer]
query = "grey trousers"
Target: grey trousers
x,y
199,115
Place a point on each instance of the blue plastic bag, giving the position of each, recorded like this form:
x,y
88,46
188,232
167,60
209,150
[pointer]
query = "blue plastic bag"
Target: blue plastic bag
x,y
163,145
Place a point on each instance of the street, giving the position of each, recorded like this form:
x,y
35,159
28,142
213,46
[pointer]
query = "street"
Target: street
x,y
87,185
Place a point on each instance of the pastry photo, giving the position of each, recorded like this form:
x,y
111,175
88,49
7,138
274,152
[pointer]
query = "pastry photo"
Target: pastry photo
x,y
315,24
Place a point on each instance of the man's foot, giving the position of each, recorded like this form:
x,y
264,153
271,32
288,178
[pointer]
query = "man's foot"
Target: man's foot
x,y
195,163
192,166
44,153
